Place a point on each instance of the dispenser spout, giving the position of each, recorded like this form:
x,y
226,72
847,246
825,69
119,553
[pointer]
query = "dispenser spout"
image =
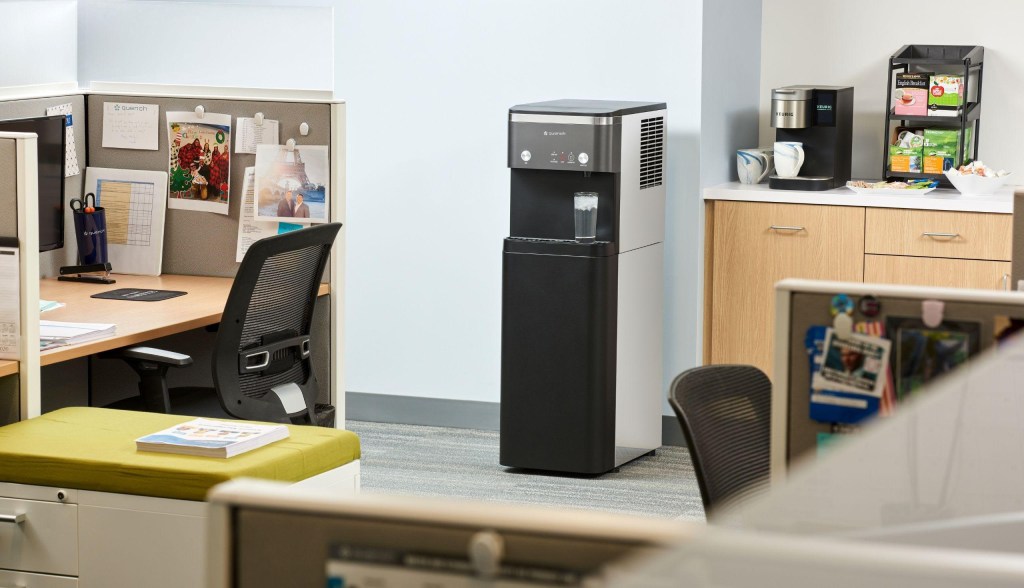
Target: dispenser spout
x,y
586,174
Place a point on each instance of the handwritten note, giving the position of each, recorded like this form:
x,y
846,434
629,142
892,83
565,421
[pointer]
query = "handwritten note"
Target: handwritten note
x,y
130,126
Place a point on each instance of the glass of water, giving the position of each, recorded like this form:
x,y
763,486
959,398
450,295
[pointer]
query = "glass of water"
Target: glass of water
x,y
585,204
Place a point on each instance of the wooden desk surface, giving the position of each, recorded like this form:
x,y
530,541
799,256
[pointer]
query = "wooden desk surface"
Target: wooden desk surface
x,y
136,321
8,367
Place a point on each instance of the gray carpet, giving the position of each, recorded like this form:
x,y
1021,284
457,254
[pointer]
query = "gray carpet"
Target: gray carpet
x,y
463,463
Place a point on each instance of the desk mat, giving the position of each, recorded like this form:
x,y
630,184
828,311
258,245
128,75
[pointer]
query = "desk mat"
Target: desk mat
x,y
139,294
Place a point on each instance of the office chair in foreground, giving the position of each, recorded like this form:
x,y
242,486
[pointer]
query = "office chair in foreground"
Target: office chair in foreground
x,y
262,365
725,413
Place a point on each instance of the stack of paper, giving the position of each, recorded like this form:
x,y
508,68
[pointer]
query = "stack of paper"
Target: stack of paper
x,y
209,438
56,333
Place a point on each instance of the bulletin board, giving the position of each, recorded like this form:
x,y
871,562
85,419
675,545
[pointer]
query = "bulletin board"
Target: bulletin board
x,y
809,309
200,243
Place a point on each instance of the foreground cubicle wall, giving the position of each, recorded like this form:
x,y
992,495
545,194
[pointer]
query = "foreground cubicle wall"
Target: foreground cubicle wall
x,y
1018,239
195,243
801,304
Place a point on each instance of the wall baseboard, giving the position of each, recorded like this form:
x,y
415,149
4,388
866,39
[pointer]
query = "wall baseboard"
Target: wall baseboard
x,y
460,414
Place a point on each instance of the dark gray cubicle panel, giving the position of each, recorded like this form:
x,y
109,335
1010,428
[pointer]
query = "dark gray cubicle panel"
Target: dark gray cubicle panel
x,y
202,243
1017,255
809,309
50,261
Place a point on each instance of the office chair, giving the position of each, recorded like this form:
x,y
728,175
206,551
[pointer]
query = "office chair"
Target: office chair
x,y
725,413
261,360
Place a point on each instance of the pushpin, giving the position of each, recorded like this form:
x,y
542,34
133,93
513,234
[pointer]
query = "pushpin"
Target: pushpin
x,y
841,304
932,312
869,306
842,326
200,111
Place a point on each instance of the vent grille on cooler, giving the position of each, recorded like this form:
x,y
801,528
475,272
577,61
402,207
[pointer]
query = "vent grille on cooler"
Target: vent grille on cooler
x,y
652,145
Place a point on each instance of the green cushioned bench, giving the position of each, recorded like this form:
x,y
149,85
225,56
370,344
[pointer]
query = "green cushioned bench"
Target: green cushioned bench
x,y
94,449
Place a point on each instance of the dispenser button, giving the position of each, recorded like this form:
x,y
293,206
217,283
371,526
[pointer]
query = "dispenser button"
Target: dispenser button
x,y
583,158
525,155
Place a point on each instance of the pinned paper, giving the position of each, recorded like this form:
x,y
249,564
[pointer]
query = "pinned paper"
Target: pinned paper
x,y
10,312
70,151
249,229
250,133
131,126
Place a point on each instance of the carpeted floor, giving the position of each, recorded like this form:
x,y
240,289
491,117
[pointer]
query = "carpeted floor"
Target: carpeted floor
x,y
463,463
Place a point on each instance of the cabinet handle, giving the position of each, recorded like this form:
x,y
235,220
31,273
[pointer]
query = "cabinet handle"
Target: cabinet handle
x,y
785,228
940,235
1006,282
14,519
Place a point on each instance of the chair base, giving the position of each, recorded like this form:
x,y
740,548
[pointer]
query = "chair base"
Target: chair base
x,y
203,402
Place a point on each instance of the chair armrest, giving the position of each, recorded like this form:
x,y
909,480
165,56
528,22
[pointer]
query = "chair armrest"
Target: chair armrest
x,y
149,354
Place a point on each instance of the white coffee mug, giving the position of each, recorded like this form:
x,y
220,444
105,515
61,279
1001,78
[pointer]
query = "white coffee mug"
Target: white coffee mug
x,y
789,156
753,165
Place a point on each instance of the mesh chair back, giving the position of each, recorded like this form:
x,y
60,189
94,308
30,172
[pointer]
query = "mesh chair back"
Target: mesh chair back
x,y
264,336
725,413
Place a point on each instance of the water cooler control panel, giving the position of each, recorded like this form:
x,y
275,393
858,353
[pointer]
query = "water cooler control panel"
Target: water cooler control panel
x,y
560,146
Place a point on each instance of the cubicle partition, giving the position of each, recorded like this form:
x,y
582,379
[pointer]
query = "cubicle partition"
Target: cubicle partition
x,y
973,316
195,243
1017,268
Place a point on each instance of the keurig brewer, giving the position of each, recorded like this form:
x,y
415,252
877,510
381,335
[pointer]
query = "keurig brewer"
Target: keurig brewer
x,y
581,326
814,137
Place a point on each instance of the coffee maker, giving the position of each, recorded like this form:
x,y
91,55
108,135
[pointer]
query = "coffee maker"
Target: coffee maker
x,y
821,118
581,322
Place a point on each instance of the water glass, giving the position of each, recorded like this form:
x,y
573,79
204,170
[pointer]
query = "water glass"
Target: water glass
x,y
585,204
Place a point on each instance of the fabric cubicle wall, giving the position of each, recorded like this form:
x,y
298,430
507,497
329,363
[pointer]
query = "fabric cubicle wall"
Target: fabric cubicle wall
x,y
9,386
197,243
807,309
50,261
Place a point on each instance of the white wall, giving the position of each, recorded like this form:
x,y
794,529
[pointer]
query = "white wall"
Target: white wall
x,y
849,43
206,43
39,43
429,85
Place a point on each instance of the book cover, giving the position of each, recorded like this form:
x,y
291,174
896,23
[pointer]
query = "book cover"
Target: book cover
x,y
212,438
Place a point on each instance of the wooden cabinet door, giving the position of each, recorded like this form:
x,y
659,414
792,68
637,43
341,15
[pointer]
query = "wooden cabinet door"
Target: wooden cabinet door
x,y
757,244
934,271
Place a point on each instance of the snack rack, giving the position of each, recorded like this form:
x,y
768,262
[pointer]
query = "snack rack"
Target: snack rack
x,y
965,60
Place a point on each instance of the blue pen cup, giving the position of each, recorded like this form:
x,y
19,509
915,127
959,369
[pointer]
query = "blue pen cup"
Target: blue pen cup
x,y
91,234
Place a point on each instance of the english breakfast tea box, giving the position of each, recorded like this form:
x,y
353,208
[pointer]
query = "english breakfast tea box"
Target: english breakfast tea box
x,y
945,95
911,95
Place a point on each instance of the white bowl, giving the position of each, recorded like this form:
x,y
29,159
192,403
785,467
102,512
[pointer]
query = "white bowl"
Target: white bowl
x,y
975,184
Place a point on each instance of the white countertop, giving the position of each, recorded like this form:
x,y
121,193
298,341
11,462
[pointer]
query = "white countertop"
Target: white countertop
x,y
941,199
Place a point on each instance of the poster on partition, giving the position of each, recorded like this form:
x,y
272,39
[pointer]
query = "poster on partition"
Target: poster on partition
x,y
199,165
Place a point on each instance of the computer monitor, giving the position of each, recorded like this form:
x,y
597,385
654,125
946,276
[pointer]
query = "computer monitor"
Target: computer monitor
x,y
50,149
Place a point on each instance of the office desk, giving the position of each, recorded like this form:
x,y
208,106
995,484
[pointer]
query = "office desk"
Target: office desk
x,y
8,367
136,321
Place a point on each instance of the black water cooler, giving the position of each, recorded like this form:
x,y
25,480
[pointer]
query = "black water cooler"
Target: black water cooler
x,y
581,375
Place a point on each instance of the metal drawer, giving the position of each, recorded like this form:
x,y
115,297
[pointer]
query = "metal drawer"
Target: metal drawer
x,y
38,536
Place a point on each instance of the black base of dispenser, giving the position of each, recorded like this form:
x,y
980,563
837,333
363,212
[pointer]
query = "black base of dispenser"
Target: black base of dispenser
x,y
809,184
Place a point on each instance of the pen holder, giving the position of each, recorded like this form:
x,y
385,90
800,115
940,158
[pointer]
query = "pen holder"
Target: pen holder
x,y
91,234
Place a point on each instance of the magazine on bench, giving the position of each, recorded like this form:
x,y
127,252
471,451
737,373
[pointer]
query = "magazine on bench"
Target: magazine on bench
x,y
211,438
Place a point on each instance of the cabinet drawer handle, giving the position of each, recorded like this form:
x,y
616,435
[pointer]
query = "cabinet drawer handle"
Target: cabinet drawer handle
x,y
785,228
940,235
14,519
1006,282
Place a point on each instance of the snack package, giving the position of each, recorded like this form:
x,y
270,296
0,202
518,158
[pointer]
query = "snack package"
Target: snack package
x,y
905,159
940,149
911,95
945,95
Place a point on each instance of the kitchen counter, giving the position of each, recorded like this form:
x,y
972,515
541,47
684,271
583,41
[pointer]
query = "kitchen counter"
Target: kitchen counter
x,y
942,199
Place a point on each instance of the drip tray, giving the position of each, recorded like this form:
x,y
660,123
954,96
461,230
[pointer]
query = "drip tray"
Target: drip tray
x,y
560,247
